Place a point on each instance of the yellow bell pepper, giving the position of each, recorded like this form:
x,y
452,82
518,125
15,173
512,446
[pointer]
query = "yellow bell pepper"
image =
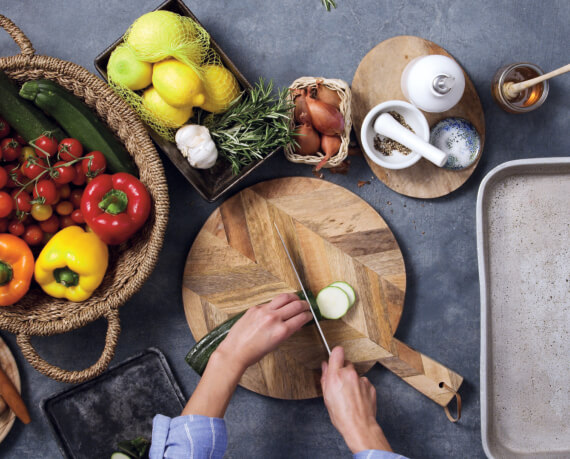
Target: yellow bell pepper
x,y
72,264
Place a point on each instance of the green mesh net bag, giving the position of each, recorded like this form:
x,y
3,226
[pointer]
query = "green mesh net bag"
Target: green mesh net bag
x,y
155,37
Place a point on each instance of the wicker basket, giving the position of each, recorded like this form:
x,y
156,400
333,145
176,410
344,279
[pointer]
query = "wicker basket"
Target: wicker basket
x,y
131,263
343,90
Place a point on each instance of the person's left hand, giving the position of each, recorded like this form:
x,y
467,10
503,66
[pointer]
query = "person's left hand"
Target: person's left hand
x,y
262,328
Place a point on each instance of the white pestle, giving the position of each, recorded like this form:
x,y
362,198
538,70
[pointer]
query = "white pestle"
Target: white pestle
x,y
387,126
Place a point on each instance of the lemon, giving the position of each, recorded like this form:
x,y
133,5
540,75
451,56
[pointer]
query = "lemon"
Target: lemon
x,y
168,115
221,88
160,34
178,84
125,69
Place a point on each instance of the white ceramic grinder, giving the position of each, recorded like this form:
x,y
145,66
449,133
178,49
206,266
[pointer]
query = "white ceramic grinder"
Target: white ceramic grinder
x,y
433,83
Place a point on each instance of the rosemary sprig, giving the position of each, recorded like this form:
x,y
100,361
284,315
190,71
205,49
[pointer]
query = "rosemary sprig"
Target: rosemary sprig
x,y
254,126
328,4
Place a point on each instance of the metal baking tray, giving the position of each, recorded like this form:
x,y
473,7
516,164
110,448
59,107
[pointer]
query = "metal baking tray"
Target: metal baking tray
x,y
211,183
90,419
523,246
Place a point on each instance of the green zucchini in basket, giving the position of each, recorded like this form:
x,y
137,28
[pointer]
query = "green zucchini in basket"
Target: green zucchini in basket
x,y
25,118
200,353
79,122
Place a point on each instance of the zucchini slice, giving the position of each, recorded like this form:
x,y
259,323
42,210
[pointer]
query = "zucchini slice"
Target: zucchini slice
x,y
347,289
333,302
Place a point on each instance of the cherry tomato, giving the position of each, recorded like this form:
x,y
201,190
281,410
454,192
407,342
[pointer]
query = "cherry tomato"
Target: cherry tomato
x,y
22,200
80,178
33,235
15,176
69,149
3,225
45,145
4,128
27,152
46,189
20,139
41,212
16,227
10,148
51,225
64,191
77,216
3,177
64,208
75,197
66,221
93,164
63,174
6,204
32,167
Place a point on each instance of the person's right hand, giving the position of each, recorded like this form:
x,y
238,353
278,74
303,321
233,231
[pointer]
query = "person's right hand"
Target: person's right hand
x,y
262,328
351,403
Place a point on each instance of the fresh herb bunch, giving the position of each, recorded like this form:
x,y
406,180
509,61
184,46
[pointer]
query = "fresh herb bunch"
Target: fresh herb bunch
x,y
328,4
254,126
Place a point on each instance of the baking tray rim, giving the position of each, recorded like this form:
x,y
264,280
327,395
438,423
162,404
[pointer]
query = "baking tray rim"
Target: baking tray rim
x,y
487,181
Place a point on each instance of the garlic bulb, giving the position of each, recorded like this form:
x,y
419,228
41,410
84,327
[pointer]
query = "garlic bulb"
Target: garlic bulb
x,y
197,146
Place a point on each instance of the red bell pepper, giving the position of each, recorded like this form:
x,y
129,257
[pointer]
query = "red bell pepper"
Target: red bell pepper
x,y
115,206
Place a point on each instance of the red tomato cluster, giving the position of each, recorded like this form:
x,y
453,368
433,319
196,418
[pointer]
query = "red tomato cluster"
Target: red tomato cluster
x,y
41,184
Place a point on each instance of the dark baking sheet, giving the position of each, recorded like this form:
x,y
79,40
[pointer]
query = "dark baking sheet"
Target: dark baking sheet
x,y
90,419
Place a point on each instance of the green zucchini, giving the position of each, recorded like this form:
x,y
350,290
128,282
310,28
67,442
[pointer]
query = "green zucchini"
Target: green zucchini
x,y
80,122
347,289
333,302
201,352
25,118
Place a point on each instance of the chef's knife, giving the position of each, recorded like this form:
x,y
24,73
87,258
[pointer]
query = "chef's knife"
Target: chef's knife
x,y
10,394
304,291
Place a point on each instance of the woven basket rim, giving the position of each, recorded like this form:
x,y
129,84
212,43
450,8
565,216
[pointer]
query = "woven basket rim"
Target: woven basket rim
x,y
343,90
130,130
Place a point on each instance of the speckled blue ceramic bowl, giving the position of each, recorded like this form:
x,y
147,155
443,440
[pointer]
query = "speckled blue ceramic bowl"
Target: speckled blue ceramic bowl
x,y
459,138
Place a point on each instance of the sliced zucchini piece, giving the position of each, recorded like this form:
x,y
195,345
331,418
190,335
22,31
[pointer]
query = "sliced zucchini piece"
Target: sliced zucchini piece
x,y
119,455
347,289
333,302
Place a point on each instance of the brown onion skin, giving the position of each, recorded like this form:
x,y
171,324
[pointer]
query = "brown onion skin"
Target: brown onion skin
x,y
324,117
301,113
327,95
330,144
308,140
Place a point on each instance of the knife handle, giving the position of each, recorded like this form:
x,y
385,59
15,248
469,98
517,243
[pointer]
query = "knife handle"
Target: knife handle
x,y
429,377
12,397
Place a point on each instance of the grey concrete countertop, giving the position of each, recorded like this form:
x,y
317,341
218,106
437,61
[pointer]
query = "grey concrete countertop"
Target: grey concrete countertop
x,y
285,40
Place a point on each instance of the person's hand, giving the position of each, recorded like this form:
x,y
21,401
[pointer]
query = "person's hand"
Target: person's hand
x,y
262,328
351,403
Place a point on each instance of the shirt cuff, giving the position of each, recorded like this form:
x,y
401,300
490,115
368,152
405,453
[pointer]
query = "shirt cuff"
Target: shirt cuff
x,y
377,454
188,436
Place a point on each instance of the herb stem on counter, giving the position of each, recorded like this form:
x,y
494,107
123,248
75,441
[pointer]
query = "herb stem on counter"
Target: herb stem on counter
x,y
254,126
328,4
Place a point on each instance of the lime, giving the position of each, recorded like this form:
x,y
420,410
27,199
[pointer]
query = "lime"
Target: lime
x,y
126,70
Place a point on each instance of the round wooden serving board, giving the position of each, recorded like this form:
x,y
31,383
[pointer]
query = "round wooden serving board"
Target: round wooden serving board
x,y
8,364
377,79
237,261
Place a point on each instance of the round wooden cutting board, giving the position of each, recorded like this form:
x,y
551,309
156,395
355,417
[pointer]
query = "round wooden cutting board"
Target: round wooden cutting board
x,y
377,79
237,261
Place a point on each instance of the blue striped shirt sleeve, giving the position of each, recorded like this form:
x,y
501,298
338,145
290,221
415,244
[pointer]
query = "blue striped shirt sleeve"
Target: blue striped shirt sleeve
x,y
377,454
188,437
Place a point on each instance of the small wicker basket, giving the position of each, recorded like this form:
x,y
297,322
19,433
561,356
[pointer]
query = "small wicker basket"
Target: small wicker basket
x,y
343,90
131,263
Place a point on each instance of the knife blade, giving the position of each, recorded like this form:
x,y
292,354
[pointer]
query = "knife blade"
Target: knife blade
x,y
303,289
12,397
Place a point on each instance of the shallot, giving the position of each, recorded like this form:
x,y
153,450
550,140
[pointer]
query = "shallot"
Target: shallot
x,y
330,144
301,113
325,118
307,139
325,94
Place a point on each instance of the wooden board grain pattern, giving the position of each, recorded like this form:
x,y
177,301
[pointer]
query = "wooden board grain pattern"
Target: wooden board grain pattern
x,y
377,80
237,261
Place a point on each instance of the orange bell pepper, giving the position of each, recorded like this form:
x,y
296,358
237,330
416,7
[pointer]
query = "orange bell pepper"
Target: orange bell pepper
x,y
16,269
